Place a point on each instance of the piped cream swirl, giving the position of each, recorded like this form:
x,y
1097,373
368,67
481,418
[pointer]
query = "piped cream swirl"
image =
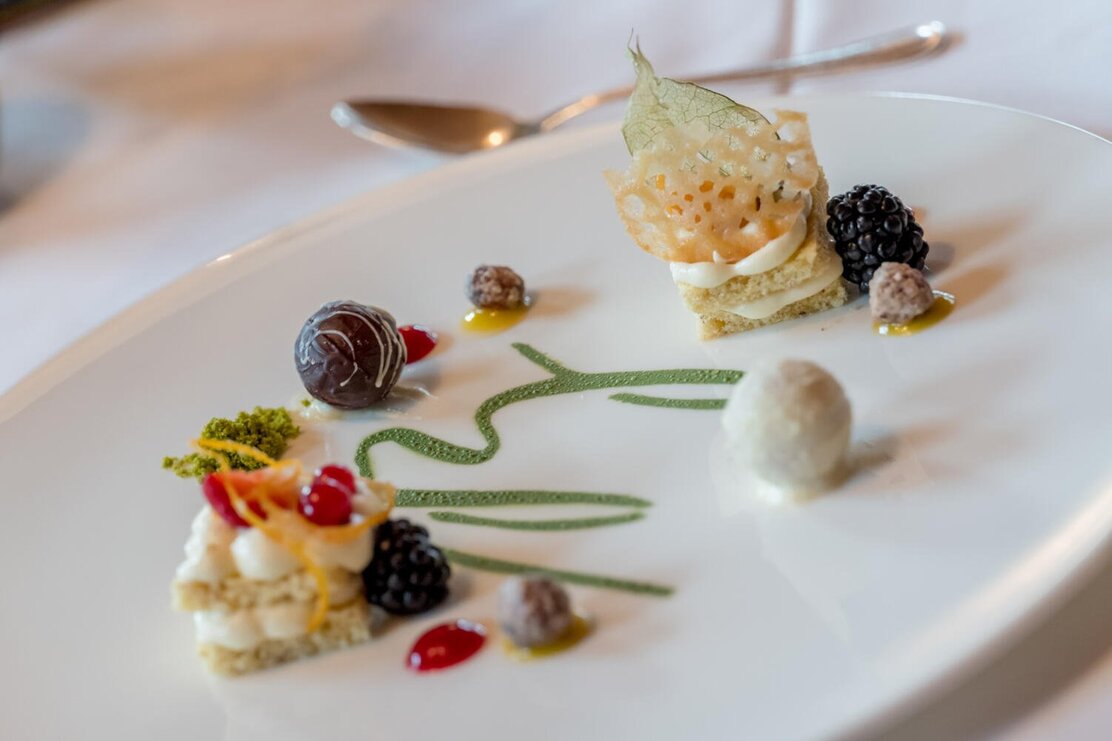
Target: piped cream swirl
x,y
766,306
774,254
216,550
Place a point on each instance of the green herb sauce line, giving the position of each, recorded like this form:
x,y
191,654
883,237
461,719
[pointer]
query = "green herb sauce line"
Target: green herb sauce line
x,y
582,523
563,381
498,566
660,401
510,497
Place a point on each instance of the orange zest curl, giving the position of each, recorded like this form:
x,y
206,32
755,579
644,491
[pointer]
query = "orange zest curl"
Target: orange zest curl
x,y
228,446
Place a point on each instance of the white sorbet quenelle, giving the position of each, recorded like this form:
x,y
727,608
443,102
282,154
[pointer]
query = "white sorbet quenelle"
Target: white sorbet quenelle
x,y
787,424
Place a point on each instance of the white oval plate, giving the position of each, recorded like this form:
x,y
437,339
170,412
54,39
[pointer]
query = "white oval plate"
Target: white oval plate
x,y
990,485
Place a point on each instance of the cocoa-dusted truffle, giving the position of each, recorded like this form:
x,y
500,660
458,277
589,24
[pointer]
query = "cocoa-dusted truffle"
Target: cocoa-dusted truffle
x,y
495,287
533,610
898,293
349,355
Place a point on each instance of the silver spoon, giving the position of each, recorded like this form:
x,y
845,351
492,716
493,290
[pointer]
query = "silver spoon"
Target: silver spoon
x,y
461,129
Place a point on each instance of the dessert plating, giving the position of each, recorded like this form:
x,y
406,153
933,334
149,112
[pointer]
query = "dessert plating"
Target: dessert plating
x,y
281,565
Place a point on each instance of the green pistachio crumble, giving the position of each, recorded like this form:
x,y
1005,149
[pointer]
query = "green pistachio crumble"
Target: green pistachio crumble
x,y
268,430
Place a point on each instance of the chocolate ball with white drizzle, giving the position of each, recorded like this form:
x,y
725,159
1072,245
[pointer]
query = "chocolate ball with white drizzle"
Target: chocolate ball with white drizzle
x,y
349,355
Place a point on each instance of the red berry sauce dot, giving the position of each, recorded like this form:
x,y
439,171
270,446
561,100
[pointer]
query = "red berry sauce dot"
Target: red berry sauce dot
x,y
419,341
339,475
324,503
446,645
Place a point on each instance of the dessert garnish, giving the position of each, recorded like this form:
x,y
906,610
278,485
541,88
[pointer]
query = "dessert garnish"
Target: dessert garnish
x,y
578,523
503,498
940,308
562,380
870,226
533,610
349,355
725,195
898,293
446,645
263,429
902,302
272,568
511,497
583,579
495,287
407,575
787,423
490,321
327,500
498,296
419,342
535,614
579,629
280,485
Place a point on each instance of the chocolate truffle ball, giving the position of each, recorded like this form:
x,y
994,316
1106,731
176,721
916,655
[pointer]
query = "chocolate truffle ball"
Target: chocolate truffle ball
x,y
349,355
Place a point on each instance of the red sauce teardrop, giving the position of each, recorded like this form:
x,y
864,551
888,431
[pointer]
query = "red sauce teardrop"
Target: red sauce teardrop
x,y
446,645
419,341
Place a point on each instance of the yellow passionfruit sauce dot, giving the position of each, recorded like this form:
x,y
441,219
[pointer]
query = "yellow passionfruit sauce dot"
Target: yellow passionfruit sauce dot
x,y
941,308
578,630
488,321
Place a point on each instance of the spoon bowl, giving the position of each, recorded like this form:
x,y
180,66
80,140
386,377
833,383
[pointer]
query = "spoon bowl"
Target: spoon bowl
x,y
444,128
462,129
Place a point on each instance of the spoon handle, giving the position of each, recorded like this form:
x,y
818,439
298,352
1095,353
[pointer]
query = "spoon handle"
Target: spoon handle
x,y
900,45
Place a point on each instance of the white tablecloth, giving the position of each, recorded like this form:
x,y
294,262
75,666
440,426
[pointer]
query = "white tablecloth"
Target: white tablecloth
x,y
142,138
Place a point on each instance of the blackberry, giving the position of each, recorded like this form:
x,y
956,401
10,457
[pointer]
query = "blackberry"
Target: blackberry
x,y
407,573
870,226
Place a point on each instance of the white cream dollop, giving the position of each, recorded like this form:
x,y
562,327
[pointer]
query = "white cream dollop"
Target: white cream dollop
x,y
258,557
769,257
788,423
241,630
216,550
766,306
207,551
353,555
246,628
